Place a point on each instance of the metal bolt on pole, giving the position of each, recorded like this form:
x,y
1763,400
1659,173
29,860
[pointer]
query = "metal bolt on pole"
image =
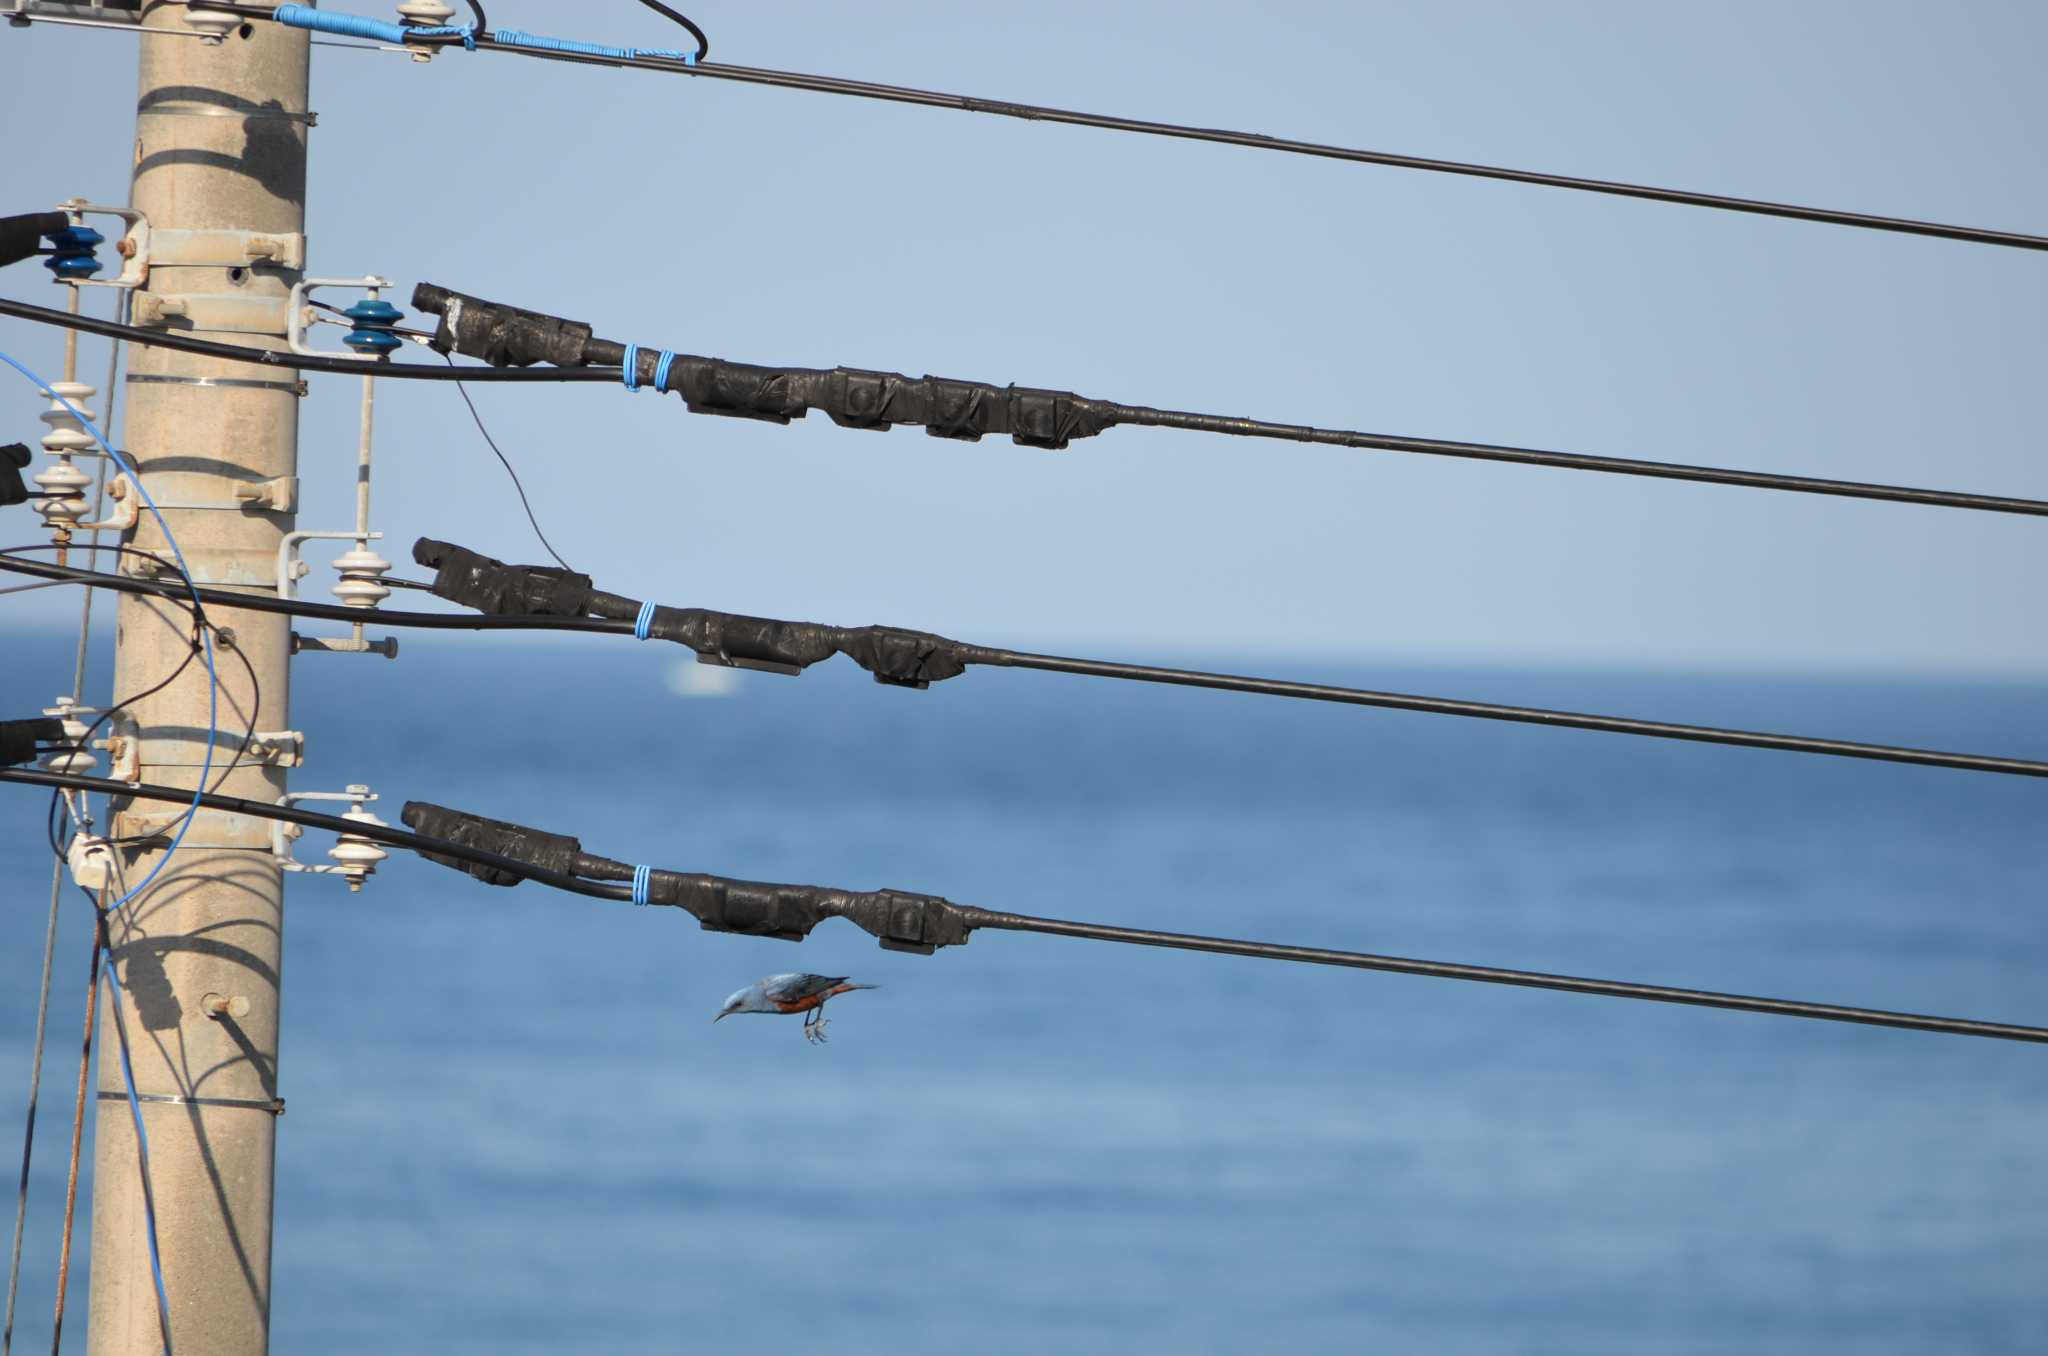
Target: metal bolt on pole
x,y
220,147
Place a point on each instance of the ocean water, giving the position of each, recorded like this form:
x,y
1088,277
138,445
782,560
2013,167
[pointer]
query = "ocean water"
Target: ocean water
x,y
514,1129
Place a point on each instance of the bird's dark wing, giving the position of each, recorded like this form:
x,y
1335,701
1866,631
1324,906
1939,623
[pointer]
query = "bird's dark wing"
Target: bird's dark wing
x,y
796,988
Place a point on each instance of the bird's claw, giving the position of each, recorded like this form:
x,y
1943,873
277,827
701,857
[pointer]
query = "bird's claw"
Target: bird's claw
x,y
815,1032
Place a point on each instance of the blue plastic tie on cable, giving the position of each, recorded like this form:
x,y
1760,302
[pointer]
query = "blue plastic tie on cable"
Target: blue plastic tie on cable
x,y
630,368
643,622
467,32
643,876
342,25
661,368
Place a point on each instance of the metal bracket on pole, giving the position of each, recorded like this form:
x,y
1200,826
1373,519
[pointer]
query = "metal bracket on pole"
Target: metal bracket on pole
x,y
133,246
225,249
355,857
219,313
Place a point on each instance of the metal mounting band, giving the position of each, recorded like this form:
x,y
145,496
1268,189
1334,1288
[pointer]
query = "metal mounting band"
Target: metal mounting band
x,y
297,388
168,110
275,1105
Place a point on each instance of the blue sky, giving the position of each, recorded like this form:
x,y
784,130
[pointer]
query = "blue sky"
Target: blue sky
x,y
790,228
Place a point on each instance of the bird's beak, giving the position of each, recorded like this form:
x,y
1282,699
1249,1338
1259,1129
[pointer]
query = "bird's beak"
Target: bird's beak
x,y
719,1018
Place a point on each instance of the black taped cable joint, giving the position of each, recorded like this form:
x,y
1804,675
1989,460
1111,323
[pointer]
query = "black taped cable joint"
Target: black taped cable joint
x,y
900,919
507,336
895,656
19,738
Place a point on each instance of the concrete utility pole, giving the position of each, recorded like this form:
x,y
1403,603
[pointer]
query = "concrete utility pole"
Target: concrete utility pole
x,y
220,147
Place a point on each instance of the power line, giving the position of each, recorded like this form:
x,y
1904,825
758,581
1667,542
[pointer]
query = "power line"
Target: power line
x,y
1529,979
622,58
858,398
1525,715
906,658
277,358
907,921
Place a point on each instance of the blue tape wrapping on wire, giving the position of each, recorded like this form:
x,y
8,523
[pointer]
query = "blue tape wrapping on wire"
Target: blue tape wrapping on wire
x,y
341,25
642,877
512,37
644,621
362,26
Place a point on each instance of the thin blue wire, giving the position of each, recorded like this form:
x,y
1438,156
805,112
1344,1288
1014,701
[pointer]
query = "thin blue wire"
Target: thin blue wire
x,y
206,636
156,1265
156,1261
642,878
643,621
629,367
661,368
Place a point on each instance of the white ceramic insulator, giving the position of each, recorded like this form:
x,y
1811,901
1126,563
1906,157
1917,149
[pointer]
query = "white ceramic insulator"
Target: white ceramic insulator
x,y
357,857
362,578
81,760
213,24
431,13
63,501
67,437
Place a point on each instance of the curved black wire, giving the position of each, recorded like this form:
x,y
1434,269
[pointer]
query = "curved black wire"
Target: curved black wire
x,y
703,43
223,640
476,8
505,462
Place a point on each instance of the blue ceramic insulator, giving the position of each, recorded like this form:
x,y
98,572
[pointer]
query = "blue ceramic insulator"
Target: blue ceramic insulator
x,y
74,257
373,320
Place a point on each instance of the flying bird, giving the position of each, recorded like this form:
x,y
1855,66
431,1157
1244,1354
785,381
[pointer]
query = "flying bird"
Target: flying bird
x,y
792,993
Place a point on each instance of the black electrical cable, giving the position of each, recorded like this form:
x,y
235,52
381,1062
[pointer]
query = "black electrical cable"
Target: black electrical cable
x,y
1485,974
1109,413
223,639
977,918
965,655
1525,715
275,358
506,462
703,43
862,89
497,333
312,819
1139,415
295,607
476,10
867,89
